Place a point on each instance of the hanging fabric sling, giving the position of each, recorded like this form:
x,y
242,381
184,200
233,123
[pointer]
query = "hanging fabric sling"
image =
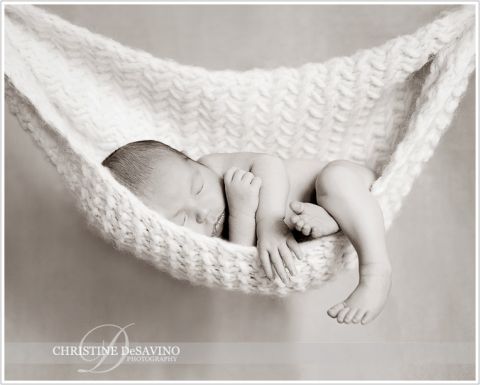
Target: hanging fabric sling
x,y
81,96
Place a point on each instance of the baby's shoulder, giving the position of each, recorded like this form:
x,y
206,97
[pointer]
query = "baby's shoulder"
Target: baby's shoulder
x,y
213,159
221,162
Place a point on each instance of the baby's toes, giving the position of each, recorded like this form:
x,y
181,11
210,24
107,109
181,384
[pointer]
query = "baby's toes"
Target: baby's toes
x,y
343,313
297,207
350,315
316,233
358,316
334,310
299,225
306,230
368,317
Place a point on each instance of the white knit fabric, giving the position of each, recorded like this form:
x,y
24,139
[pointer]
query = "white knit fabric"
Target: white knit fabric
x,y
81,96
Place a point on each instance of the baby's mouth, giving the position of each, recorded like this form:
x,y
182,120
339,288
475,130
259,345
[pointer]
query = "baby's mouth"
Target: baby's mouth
x,y
217,228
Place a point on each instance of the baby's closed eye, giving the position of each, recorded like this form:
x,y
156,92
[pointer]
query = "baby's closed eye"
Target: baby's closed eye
x,y
198,184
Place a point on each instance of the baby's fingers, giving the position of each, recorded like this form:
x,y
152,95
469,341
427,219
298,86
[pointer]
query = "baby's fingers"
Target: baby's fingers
x,y
286,255
247,177
238,175
229,174
293,245
265,259
279,268
256,182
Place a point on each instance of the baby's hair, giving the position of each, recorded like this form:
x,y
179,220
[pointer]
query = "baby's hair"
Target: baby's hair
x,y
132,163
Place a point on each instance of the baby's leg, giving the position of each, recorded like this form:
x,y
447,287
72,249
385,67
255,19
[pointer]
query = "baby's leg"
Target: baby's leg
x,y
343,190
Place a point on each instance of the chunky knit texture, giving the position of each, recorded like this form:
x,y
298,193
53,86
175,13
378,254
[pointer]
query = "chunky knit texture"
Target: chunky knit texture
x,y
81,96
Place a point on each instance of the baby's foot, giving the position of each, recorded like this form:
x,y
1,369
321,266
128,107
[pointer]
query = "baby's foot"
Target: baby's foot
x,y
367,300
312,220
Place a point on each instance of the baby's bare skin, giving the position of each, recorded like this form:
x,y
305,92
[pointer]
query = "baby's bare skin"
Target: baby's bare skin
x,y
242,190
320,199
268,198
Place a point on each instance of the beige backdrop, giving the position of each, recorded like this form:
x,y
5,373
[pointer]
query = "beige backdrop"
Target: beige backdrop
x,y
62,279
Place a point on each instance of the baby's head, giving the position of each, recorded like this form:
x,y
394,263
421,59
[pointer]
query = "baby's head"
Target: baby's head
x,y
184,191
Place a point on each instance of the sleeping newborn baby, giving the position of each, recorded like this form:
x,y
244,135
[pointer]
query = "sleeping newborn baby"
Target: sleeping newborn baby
x,y
259,199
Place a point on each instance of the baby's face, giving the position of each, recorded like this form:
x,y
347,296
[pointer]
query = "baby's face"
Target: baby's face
x,y
188,194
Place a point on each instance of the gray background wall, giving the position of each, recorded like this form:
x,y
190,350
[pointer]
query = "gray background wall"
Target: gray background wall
x,y
62,279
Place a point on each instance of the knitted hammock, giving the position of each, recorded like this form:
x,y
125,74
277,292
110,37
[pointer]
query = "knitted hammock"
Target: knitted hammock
x,y
81,96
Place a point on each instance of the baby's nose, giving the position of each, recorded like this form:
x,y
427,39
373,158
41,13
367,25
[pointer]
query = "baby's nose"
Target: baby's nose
x,y
202,216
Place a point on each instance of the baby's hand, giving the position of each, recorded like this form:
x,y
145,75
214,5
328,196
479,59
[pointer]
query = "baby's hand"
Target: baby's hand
x,y
242,190
277,245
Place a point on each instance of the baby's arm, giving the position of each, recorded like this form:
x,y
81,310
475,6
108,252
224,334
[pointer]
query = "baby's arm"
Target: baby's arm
x,y
242,190
275,240
241,229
